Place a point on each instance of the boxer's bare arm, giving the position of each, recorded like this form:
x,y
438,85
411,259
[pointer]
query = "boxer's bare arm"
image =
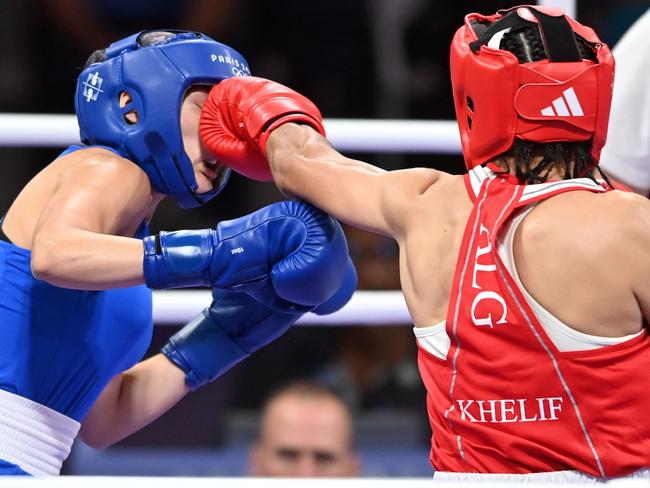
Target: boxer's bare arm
x,y
75,240
133,400
304,165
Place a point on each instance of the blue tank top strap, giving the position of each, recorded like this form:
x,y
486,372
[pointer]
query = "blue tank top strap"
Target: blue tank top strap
x,y
77,147
142,231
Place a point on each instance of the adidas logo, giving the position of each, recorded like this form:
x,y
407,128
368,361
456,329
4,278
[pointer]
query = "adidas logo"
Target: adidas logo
x,y
559,106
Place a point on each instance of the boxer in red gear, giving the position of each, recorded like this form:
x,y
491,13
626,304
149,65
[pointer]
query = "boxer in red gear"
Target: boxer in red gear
x,y
527,277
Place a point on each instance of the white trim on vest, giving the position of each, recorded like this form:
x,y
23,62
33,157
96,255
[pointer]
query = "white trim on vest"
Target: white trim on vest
x,y
34,437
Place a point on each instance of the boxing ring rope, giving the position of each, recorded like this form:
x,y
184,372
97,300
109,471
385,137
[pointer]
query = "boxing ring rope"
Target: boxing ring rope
x,y
174,482
366,308
251,482
360,135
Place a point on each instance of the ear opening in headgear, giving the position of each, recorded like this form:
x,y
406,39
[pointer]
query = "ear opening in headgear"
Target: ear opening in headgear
x,y
470,108
131,116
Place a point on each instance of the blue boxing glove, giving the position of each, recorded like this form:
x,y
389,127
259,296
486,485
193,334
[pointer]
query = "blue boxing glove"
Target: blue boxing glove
x,y
342,295
234,326
297,249
348,280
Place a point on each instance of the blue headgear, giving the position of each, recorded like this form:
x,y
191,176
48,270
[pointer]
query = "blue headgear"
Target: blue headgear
x,y
156,77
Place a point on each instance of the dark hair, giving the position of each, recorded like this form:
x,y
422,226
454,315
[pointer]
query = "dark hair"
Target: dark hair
x,y
527,45
148,38
96,57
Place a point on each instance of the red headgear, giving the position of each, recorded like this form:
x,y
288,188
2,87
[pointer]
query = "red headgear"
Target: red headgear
x,y
562,98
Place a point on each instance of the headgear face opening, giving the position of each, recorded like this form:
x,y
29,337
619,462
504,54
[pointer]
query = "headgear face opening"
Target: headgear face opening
x,y
561,98
156,77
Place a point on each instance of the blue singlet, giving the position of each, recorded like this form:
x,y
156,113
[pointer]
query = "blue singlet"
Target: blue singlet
x,y
61,347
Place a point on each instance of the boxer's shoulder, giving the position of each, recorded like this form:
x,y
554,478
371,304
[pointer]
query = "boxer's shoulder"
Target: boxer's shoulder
x,y
103,173
631,213
613,213
586,230
425,197
417,186
100,160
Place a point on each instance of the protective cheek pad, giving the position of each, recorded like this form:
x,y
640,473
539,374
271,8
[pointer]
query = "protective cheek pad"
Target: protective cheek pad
x,y
484,92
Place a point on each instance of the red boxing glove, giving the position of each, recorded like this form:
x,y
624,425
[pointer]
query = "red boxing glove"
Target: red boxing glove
x,y
239,115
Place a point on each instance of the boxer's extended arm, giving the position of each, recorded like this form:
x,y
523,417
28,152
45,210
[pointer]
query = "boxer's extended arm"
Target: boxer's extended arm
x,y
74,243
306,166
246,120
132,400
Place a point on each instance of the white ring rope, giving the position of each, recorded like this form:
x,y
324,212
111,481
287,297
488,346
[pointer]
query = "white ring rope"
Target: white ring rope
x,y
362,135
366,308
390,136
250,482
355,135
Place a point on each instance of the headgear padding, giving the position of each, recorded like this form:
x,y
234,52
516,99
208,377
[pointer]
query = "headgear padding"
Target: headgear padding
x,y
498,100
156,77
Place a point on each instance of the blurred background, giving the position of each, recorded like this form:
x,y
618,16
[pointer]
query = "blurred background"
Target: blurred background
x,y
354,59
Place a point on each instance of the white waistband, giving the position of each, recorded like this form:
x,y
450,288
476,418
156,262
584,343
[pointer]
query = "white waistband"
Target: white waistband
x,y
553,477
33,436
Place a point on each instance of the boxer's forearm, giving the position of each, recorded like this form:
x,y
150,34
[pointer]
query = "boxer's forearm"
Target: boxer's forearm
x,y
133,400
304,165
85,260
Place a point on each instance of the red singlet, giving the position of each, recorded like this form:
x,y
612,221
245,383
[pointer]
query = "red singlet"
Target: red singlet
x,y
505,399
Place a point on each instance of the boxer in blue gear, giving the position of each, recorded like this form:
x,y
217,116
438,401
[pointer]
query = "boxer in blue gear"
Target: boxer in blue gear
x,y
75,255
